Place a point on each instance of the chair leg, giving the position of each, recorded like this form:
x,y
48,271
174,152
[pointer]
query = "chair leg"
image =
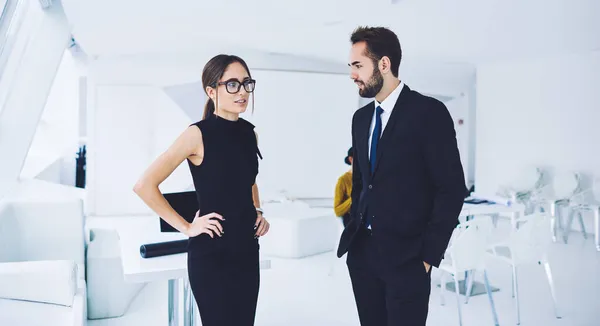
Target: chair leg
x,y
442,288
495,218
469,284
516,290
597,228
489,293
553,222
567,227
552,289
514,217
512,283
457,291
581,224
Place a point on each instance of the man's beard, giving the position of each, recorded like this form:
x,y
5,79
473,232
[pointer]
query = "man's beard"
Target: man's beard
x,y
373,85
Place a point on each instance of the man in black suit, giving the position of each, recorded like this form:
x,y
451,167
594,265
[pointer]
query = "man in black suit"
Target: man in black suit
x,y
408,187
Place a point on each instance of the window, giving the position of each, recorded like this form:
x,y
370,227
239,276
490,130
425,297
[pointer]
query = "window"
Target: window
x,y
10,14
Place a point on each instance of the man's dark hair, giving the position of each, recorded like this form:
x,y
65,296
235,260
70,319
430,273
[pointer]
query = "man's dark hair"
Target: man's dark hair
x,y
381,42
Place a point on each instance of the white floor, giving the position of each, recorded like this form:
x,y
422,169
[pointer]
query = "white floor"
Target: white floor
x,y
299,292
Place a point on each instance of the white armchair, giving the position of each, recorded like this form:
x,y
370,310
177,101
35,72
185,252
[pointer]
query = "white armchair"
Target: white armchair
x,y
40,293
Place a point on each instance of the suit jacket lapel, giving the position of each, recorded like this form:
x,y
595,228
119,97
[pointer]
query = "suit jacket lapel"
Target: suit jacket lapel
x,y
391,124
363,140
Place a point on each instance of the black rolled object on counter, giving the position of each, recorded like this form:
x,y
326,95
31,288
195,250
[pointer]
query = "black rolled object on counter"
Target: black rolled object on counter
x,y
163,248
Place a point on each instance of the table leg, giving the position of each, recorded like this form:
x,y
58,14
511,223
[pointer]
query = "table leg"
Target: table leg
x,y
597,227
174,302
189,304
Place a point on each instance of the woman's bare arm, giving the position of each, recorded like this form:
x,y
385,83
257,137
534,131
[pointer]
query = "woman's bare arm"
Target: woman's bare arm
x,y
262,225
189,143
255,196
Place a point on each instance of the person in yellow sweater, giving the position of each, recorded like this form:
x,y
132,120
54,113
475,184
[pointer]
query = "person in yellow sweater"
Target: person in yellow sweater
x,y
343,192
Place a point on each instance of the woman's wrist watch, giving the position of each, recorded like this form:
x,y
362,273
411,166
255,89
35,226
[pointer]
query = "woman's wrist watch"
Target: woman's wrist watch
x,y
260,210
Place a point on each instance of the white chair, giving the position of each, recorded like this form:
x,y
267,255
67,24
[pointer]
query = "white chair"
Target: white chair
x,y
530,188
566,186
466,253
525,187
583,203
527,245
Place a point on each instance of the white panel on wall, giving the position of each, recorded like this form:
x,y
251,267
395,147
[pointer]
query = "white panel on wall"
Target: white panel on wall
x,y
133,125
189,97
304,122
459,110
122,146
169,122
58,129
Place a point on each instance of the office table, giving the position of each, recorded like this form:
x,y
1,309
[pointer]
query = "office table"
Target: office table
x,y
171,268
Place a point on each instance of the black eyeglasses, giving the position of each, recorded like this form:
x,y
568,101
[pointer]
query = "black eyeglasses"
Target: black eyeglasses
x,y
233,85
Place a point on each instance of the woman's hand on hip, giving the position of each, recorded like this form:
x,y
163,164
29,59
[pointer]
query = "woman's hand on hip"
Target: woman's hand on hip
x,y
261,225
208,224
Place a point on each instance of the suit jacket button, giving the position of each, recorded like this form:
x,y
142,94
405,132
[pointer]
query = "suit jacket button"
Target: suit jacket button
x,y
370,186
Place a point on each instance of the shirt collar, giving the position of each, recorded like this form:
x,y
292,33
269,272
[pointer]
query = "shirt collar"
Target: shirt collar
x,y
388,104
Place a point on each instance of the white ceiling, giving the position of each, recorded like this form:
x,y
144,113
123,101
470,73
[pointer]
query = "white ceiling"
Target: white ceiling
x,y
448,30
442,40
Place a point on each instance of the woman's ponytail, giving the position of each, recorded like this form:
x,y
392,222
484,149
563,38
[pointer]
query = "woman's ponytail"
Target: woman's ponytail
x,y
209,109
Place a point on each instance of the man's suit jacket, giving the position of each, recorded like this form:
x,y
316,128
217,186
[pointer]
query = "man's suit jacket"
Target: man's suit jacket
x,y
416,192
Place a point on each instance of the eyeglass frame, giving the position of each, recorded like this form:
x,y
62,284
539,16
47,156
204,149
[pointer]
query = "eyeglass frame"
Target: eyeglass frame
x,y
242,83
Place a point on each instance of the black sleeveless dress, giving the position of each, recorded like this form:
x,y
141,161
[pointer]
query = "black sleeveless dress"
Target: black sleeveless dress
x,y
224,271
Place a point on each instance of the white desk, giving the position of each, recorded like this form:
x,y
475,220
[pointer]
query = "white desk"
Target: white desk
x,y
171,268
515,211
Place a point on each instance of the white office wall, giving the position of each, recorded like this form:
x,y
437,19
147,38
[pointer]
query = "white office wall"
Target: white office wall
x,y
472,131
542,112
131,126
303,120
459,110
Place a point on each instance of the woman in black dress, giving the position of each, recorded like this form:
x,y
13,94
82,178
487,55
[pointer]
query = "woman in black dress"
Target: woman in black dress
x,y
222,154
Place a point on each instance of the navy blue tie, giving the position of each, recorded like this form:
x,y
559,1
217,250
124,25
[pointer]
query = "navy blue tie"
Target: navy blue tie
x,y
375,138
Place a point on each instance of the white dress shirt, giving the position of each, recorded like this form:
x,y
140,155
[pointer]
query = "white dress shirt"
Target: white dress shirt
x,y
388,106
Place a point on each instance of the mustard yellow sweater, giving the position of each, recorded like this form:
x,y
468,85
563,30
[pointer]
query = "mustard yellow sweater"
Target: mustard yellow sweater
x,y
343,195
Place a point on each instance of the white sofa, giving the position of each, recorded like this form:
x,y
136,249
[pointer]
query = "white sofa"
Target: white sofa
x,y
297,230
41,232
42,293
